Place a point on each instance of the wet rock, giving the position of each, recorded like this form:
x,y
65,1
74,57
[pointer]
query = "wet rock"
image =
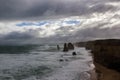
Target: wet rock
x,y
58,47
74,53
61,60
70,46
65,49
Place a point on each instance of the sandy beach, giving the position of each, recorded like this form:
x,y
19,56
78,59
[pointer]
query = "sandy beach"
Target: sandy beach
x,y
104,73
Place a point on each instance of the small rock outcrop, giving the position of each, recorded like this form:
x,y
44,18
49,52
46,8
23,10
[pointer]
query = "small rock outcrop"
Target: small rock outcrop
x,y
58,47
74,53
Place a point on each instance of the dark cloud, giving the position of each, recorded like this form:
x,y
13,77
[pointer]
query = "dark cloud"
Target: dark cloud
x,y
41,9
101,8
18,35
97,32
93,30
28,9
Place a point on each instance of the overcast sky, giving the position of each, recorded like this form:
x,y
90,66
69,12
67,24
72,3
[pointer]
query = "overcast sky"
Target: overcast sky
x,y
38,21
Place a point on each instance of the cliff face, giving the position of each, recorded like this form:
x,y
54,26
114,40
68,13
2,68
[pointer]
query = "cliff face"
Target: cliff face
x,y
106,52
106,56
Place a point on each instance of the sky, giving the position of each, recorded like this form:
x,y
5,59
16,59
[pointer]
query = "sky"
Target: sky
x,y
43,21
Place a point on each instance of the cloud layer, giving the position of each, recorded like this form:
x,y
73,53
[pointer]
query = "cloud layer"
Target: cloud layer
x,y
90,19
61,30
42,9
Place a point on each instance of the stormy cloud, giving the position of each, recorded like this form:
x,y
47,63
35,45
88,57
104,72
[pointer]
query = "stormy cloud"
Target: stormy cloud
x,y
41,21
41,9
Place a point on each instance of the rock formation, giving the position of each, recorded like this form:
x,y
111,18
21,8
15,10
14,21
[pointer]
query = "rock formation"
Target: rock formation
x,y
58,47
65,49
106,56
74,53
106,52
70,46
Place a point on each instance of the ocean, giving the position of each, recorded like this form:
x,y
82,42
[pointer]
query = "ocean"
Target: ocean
x,y
44,62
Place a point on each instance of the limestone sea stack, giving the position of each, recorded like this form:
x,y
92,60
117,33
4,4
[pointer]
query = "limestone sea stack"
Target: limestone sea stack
x,y
65,49
70,46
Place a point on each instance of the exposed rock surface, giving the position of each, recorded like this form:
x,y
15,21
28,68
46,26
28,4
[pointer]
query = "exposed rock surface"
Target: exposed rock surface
x,y
68,46
74,53
107,54
65,49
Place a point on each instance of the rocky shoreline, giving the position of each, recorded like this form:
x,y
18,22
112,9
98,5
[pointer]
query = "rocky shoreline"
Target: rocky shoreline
x,y
106,56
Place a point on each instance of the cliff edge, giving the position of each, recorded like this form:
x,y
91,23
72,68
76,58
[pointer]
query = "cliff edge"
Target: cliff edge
x,y
106,56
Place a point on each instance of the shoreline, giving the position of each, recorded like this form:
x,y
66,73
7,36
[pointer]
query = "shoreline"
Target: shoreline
x,y
104,73
92,72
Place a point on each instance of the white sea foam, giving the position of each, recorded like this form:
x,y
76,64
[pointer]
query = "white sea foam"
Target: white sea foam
x,y
76,68
46,65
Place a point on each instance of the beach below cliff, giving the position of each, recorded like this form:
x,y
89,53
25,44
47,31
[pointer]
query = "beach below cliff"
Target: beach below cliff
x,y
104,73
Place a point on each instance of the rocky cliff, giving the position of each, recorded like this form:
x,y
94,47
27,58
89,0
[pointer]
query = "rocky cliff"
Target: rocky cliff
x,y
107,54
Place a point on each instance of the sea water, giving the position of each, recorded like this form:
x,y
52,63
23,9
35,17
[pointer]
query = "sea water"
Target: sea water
x,y
43,62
